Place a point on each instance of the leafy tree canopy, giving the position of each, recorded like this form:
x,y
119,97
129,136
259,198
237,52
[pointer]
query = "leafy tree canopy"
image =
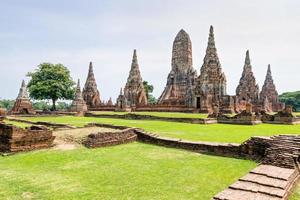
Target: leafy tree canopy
x,y
291,98
149,89
51,82
7,104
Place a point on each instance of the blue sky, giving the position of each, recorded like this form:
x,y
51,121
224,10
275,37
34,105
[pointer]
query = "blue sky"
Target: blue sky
x,y
74,32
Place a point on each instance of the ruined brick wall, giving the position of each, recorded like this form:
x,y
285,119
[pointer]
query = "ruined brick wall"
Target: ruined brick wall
x,y
222,149
14,139
255,147
165,108
150,117
110,138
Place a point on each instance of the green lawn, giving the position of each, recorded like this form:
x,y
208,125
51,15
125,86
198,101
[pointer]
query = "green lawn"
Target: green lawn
x,y
296,193
195,132
131,171
18,124
158,114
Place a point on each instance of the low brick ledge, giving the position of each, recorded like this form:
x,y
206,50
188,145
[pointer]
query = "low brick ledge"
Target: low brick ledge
x,y
48,124
151,117
221,149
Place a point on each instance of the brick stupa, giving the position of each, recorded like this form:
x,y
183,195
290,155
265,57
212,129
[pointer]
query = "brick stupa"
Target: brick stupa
x,y
78,104
269,95
134,91
211,84
23,104
247,90
90,92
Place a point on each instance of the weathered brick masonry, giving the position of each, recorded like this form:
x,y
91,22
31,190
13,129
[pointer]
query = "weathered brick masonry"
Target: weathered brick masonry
x,y
15,139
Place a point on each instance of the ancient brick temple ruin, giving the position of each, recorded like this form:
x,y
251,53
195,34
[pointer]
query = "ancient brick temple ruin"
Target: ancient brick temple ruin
x,y
210,88
122,104
248,89
90,92
181,79
134,91
2,113
185,91
78,104
15,139
23,104
208,91
269,94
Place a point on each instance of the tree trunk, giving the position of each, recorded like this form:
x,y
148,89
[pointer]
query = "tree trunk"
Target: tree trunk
x,y
53,104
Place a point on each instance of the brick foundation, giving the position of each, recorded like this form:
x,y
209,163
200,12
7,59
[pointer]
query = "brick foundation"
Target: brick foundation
x,y
15,139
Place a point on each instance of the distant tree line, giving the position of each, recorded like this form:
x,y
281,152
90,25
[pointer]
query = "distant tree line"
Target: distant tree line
x,y
37,105
291,98
7,104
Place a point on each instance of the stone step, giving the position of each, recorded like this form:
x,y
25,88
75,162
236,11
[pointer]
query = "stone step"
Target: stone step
x,y
232,194
265,181
257,188
275,172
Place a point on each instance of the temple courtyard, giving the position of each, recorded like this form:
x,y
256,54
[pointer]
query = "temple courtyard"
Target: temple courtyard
x,y
130,171
228,133
136,170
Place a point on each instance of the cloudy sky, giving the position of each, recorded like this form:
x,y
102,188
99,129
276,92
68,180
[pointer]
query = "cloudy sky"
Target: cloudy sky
x,y
75,32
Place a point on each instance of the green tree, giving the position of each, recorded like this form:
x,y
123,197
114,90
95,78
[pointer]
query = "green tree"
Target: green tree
x,y
63,106
41,105
291,98
51,82
7,104
149,89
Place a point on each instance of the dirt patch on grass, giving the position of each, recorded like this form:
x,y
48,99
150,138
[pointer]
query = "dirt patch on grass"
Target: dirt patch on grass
x,y
27,195
72,138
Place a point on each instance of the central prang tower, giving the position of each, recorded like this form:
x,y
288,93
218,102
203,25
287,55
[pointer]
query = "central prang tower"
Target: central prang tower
x,y
182,75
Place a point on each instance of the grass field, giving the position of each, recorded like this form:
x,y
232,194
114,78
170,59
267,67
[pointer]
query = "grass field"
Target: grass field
x,y
18,124
296,193
131,171
195,132
158,114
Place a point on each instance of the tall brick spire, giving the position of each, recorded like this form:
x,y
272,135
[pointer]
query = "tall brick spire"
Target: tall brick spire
x,y
134,88
23,104
269,91
90,92
78,104
247,89
78,94
23,94
212,81
134,74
